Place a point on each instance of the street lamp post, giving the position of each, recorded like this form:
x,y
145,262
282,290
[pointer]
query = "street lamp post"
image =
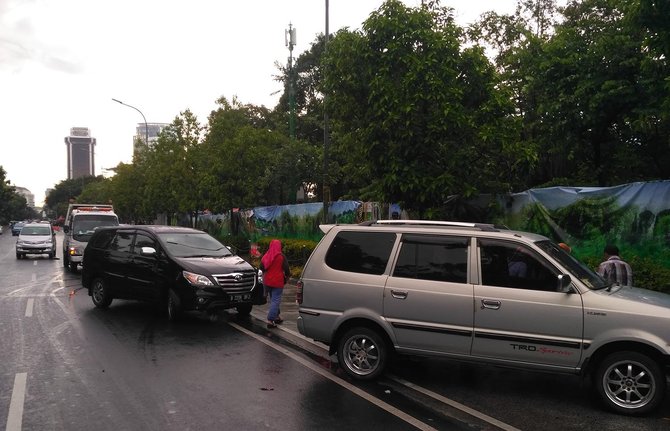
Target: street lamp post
x,y
146,126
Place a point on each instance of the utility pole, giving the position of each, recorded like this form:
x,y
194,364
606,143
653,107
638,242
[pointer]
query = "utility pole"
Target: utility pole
x,y
325,188
290,39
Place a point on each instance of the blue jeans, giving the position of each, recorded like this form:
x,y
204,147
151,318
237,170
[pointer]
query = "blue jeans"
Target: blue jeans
x,y
274,294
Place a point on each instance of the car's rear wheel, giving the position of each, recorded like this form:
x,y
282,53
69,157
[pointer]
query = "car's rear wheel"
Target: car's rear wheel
x,y
630,383
100,294
66,261
73,266
173,306
243,310
363,353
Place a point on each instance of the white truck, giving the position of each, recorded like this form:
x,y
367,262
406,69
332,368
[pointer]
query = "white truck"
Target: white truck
x,y
80,223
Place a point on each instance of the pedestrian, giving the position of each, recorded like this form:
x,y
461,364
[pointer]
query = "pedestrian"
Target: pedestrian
x,y
275,274
614,269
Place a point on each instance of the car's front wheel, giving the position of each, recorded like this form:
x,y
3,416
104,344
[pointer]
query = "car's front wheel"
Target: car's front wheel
x,y
630,383
100,294
173,306
363,353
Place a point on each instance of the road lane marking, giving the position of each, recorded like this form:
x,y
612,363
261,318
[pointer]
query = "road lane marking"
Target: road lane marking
x,y
15,416
29,307
34,276
455,404
34,263
317,369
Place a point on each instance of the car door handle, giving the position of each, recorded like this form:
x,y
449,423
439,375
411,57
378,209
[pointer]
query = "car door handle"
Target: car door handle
x,y
397,294
490,304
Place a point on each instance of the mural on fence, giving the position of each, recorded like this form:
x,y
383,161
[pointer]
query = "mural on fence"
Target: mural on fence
x,y
635,217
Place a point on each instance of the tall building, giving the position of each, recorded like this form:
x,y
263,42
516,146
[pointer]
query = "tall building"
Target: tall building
x,y
142,131
80,153
30,197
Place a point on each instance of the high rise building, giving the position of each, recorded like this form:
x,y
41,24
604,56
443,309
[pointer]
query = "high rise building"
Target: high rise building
x,y
80,153
153,130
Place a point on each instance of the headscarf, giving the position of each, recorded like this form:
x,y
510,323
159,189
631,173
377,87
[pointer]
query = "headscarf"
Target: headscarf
x,y
273,251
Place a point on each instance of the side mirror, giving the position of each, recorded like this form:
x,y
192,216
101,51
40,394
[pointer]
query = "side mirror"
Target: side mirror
x,y
564,281
66,229
148,251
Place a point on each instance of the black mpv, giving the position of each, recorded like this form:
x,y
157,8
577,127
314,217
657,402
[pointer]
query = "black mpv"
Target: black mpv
x,y
180,268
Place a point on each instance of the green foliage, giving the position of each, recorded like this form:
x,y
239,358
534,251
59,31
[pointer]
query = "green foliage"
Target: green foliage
x,y
415,110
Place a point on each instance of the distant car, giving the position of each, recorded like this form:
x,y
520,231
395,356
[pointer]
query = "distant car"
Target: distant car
x,y
179,268
16,228
36,238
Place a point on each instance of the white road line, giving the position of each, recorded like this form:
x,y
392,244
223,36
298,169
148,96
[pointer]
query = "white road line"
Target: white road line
x,y
456,405
34,276
29,307
379,403
15,416
34,263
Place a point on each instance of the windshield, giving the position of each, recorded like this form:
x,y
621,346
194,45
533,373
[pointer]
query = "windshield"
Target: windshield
x,y
577,269
35,230
83,226
193,244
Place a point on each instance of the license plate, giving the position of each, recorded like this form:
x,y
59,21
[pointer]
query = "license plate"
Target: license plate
x,y
240,297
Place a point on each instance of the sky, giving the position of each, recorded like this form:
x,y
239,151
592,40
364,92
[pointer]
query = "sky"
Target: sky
x,y
62,62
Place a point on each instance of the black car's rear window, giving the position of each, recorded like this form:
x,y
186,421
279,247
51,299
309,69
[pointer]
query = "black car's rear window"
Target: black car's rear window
x,y
362,252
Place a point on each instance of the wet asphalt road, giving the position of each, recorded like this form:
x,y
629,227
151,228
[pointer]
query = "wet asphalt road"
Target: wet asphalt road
x,y
70,366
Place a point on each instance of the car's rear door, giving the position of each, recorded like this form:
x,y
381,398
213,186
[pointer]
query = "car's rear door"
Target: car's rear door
x,y
521,317
428,299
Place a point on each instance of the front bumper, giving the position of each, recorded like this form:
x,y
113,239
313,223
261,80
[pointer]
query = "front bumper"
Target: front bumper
x,y
35,250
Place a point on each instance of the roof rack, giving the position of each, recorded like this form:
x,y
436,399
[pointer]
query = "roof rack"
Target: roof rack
x,y
433,223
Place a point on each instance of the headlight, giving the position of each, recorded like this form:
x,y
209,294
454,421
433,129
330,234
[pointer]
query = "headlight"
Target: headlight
x,y
260,276
197,279
19,242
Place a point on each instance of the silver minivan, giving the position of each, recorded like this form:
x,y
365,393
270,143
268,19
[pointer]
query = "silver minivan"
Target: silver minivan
x,y
479,293
36,238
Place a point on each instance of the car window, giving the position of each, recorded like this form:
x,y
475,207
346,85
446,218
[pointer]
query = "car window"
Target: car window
x,y
433,258
508,264
121,241
362,252
102,239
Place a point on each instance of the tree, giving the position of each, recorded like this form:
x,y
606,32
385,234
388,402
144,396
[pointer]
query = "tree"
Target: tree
x,y
172,177
415,111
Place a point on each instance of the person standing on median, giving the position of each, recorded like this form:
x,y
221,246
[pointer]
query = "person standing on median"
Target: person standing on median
x,y
275,274
614,269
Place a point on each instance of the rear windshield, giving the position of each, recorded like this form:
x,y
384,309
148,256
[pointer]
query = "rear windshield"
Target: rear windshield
x,y
193,244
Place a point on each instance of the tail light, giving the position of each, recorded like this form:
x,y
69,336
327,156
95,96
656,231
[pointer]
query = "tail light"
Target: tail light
x,y
298,292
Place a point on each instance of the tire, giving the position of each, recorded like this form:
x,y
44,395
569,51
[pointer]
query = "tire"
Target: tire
x,y
363,353
630,383
100,294
66,261
18,255
173,307
73,267
243,310
51,255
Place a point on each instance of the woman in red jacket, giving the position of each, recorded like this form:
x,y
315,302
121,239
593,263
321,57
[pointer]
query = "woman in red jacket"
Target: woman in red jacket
x,y
275,273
